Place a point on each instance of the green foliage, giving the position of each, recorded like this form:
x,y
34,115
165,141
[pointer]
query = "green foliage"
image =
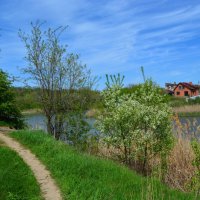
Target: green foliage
x,y
138,125
84,99
76,130
179,101
194,101
9,111
58,73
196,163
143,74
114,80
155,136
81,176
130,89
27,98
17,180
2,123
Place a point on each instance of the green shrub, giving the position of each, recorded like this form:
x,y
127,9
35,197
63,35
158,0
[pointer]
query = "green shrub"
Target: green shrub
x,y
196,163
9,111
137,125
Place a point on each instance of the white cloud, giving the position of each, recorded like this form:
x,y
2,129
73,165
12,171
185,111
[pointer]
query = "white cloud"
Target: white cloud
x,y
116,33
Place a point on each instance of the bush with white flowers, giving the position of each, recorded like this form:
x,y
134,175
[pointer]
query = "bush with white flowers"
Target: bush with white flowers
x,y
137,125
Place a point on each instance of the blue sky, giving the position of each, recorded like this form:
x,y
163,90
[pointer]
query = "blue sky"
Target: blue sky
x,y
112,36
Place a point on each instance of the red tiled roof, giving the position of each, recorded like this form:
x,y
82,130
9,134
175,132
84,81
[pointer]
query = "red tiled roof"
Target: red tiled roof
x,y
188,85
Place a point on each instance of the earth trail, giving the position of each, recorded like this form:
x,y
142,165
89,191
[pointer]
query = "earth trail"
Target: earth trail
x,y
49,189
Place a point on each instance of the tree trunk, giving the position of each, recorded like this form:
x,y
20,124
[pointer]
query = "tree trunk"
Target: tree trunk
x,y
144,166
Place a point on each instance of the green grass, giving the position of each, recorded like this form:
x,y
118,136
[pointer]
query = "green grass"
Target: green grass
x,y
2,123
16,179
82,177
189,114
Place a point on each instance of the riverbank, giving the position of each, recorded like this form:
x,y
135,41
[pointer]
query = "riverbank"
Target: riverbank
x,y
32,111
187,110
181,111
92,113
189,114
81,175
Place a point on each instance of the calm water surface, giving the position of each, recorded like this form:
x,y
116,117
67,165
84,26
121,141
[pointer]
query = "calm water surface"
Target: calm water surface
x,y
38,121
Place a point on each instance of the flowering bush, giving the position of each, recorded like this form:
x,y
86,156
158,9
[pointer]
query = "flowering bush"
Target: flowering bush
x,y
138,125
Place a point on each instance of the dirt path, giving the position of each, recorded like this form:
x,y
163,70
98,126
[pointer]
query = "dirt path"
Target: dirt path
x,y
48,187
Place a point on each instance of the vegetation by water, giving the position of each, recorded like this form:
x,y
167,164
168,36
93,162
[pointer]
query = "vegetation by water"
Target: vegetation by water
x,y
28,102
135,122
9,111
17,181
138,126
81,176
189,114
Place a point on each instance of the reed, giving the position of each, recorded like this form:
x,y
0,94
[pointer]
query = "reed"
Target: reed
x,y
187,109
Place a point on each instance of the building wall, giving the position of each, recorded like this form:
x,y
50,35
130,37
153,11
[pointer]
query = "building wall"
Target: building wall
x,y
182,92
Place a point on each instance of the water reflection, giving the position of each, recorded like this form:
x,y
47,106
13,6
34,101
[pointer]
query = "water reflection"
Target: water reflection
x,y
190,126
38,122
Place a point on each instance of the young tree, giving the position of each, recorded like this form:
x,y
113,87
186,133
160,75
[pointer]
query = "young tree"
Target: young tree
x,y
58,74
138,124
155,136
120,118
9,112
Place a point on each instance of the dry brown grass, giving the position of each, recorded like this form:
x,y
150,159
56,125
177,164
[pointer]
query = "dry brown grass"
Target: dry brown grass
x,y
187,109
92,113
180,168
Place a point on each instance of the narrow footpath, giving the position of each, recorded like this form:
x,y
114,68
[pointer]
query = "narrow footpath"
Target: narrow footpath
x,y
48,187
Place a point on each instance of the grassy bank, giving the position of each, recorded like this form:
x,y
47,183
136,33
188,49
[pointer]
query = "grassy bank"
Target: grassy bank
x,y
189,114
2,123
16,179
187,110
84,177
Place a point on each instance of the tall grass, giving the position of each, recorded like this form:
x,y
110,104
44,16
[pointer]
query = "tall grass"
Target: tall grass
x,y
82,177
180,170
187,109
180,167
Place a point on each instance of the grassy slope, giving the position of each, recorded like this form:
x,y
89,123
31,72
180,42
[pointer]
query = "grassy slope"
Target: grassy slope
x,y
84,177
2,123
16,179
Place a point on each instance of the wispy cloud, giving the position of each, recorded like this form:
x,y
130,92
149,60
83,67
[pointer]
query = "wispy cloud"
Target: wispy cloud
x,y
112,36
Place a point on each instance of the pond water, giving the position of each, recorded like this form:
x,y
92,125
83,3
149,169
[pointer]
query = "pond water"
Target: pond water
x,y
38,122
191,125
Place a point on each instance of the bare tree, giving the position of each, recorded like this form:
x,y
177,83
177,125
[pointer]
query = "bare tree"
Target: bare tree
x,y
57,73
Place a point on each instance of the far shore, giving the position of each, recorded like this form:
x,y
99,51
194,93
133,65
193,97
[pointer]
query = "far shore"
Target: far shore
x,y
188,110
182,111
32,111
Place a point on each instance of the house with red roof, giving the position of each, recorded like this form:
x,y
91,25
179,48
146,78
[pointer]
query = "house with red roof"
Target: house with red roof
x,y
184,89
